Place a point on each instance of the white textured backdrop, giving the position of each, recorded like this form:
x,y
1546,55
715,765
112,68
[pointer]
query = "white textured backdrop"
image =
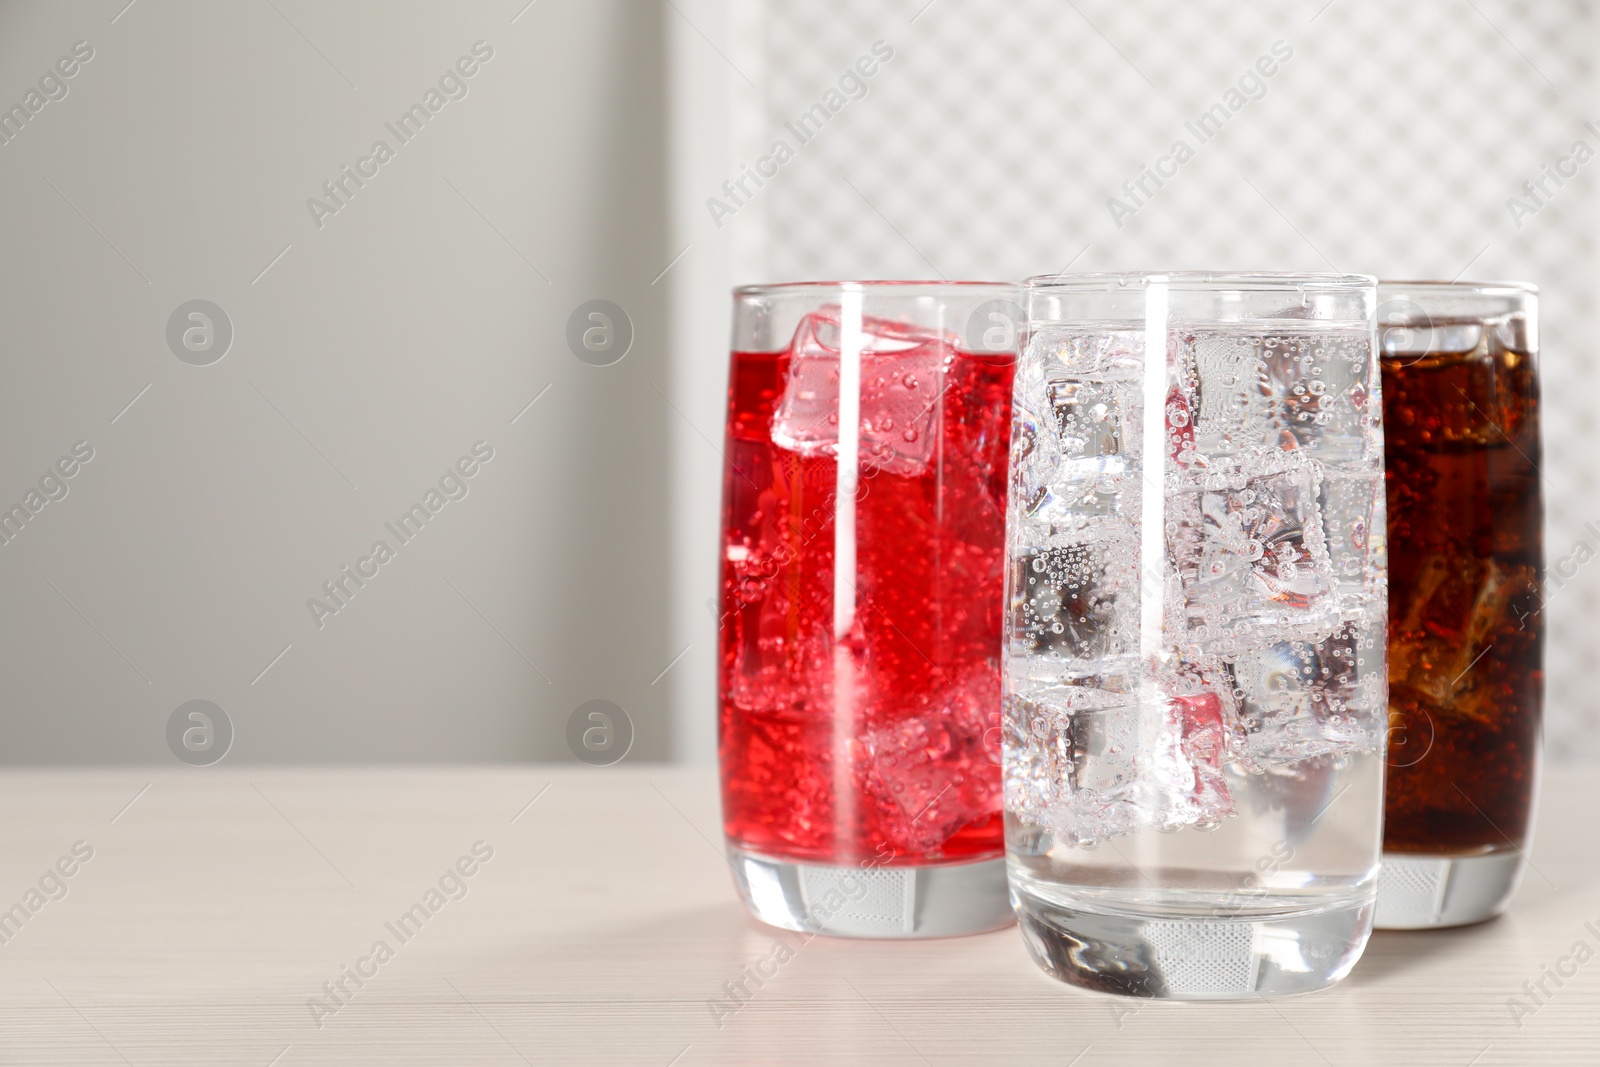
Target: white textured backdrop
x,y
1389,141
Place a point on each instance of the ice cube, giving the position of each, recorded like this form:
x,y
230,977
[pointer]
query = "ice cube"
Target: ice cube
x,y
1354,518
1037,754
1299,387
902,372
935,771
1048,754
1035,454
1250,552
1449,628
779,624
1092,764
1089,417
1077,428
1204,739
1092,423
1074,607
1300,699
1230,414
1103,354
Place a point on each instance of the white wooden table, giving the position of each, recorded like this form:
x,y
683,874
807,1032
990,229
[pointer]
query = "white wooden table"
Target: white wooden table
x,y
217,904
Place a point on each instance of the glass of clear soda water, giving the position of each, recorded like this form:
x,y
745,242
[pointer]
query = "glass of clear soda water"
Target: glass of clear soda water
x,y
1195,702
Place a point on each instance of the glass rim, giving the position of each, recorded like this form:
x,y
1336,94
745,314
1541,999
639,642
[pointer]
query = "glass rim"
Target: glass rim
x,y
1203,281
866,285
1505,288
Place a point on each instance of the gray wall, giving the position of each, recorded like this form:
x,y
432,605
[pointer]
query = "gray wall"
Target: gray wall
x,y
418,319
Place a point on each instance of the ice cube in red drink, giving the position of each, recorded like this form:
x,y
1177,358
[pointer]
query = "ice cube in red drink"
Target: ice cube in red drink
x,y
900,377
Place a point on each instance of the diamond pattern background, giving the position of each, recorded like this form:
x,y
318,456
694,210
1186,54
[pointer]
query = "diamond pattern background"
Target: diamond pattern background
x,y
1388,143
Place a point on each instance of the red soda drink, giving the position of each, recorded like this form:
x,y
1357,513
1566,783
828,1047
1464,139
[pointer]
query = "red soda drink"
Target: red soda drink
x,y
861,590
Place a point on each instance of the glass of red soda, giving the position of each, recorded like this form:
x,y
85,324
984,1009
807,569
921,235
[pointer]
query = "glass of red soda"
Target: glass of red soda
x,y
863,544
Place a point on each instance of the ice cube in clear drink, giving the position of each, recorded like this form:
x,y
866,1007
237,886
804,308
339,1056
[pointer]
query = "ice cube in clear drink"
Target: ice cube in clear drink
x,y
1037,753
1204,738
1230,415
1353,515
1088,416
1077,429
1302,699
1093,764
1250,551
1304,388
1035,455
1075,603
1092,421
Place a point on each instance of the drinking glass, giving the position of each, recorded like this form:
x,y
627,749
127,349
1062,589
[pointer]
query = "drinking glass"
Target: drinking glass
x,y
1194,716
1466,629
862,553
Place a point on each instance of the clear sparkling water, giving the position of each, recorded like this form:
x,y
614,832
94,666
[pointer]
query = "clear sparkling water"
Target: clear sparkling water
x,y
1195,699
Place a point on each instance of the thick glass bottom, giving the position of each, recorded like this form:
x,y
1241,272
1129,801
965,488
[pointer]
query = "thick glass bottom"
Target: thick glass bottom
x,y
1416,892
1191,946
877,902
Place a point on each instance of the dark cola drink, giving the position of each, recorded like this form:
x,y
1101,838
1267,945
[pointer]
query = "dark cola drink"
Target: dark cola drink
x,y
1466,629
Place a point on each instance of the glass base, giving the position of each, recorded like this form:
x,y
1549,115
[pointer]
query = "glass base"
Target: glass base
x,y
1135,952
881,902
1416,892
